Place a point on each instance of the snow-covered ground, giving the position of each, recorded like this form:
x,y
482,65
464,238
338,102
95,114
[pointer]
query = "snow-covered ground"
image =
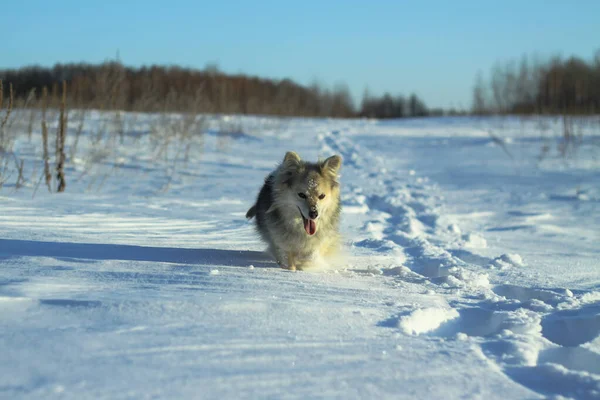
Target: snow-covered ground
x,y
472,264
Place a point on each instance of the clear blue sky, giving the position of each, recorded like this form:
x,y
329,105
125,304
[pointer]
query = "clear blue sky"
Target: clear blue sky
x,y
433,48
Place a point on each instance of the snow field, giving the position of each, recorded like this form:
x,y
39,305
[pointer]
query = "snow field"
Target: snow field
x,y
463,278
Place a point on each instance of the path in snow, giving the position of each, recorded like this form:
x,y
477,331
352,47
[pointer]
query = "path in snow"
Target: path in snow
x,y
536,336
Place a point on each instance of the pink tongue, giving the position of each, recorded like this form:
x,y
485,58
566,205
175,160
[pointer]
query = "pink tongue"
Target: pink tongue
x,y
310,226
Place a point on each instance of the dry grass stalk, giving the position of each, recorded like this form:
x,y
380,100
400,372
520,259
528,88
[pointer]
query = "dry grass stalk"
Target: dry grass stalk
x,y
20,178
60,141
47,174
571,140
10,104
3,173
78,132
30,125
497,140
32,112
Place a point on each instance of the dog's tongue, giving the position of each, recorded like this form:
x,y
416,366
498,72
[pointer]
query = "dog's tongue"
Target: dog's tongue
x,y
310,226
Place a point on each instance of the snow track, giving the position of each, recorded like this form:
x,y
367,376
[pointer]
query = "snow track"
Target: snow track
x,y
532,334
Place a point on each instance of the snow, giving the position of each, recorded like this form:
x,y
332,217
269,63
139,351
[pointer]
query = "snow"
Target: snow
x,y
426,320
470,265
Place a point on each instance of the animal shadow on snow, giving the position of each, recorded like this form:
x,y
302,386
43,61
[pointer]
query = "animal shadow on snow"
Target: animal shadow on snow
x,y
93,251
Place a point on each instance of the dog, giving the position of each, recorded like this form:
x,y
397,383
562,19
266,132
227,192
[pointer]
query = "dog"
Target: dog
x,y
298,211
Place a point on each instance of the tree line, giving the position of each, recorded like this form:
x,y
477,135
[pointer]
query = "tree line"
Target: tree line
x,y
534,86
388,106
111,85
114,86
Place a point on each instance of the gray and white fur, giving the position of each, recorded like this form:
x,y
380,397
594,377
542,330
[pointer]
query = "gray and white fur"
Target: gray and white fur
x,y
298,210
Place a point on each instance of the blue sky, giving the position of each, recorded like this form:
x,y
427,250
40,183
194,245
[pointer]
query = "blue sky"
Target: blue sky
x,y
433,48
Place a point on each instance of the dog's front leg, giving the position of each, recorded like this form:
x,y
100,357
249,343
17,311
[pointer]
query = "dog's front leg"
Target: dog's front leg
x,y
291,259
277,254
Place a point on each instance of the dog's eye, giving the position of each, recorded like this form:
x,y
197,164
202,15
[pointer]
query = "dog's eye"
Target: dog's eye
x,y
302,195
321,197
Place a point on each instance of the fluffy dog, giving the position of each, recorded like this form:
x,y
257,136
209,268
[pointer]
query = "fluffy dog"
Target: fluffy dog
x,y
298,210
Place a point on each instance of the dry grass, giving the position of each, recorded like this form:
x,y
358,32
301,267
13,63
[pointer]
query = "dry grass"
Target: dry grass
x,y
500,142
10,104
5,142
95,148
60,142
20,177
47,174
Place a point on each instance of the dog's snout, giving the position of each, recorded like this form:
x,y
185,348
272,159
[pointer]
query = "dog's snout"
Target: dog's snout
x,y
313,213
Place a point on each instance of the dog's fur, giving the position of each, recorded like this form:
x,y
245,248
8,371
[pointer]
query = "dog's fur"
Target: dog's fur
x,y
298,210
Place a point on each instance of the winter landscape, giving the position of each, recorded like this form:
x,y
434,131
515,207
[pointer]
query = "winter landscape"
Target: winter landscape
x,y
471,268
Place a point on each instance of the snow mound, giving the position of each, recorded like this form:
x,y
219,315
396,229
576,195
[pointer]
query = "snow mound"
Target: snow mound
x,y
474,241
508,260
426,320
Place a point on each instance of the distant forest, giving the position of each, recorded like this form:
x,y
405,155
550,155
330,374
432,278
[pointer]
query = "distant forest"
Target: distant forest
x,y
113,86
527,86
532,86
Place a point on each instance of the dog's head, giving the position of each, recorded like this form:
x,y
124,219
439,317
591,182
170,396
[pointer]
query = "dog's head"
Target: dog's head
x,y
312,187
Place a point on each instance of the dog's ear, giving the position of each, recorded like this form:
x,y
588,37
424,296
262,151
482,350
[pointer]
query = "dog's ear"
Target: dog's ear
x,y
291,165
332,164
291,160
